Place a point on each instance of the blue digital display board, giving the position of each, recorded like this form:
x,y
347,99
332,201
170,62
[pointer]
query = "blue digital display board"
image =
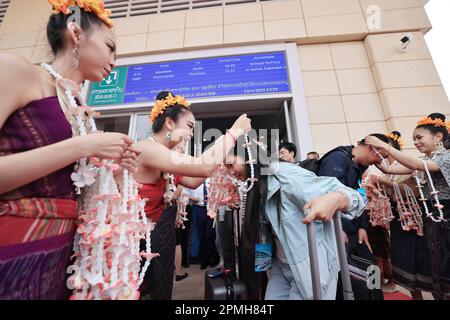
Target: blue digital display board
x,y
247,74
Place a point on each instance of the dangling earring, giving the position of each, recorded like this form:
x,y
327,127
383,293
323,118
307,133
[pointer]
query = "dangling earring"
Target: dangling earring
x,y
169,136
75,57
440,146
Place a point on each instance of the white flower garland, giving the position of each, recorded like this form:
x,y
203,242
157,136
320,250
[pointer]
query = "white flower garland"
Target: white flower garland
x,y
434,194
112,220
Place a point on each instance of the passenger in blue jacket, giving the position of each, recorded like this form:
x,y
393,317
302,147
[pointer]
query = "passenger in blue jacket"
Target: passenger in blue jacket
x,y
288,197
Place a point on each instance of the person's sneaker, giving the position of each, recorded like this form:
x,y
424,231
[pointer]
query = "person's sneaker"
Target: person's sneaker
x,y
179,278
203,266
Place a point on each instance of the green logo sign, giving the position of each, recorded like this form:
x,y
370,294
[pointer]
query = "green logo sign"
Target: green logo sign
x,y
111,90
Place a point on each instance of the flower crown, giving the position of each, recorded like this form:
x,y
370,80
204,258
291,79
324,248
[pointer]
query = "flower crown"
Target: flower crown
x,y
95,6
396,138
436,122
161,105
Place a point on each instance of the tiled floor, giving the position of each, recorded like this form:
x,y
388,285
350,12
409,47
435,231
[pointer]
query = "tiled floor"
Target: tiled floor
x,y
191,288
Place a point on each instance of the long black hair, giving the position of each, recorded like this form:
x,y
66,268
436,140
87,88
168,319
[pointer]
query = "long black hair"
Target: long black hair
x,y
251,235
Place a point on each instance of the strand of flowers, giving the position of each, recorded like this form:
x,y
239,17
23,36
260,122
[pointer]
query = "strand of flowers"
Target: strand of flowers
x,y
251,162
422,195
414,208
221,192
221,185
182,203
242,206
386,209
379,207
171,188
408,215
107,242
434,194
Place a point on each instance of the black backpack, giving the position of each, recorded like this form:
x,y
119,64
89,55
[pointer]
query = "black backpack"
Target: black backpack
x,y
313,165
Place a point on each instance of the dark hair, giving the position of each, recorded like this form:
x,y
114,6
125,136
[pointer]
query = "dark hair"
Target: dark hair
x,y
289,147
380,136
57,25
251,234
393,143
314,153
172,112
434,130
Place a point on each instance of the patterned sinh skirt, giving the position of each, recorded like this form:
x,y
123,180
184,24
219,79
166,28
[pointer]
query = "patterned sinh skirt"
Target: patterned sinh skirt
x,y
410,259
36,240
423,263
437,237
36,270
158,281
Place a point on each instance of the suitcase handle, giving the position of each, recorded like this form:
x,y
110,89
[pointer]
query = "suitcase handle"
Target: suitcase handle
x,y
342,253
314,260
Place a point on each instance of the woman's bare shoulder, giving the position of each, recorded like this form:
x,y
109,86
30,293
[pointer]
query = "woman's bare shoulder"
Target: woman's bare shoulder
x,y
19,75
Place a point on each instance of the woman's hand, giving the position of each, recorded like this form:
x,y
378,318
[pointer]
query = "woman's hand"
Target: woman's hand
x,y
324,207
105,145
377,143
362,237
129,160
241,126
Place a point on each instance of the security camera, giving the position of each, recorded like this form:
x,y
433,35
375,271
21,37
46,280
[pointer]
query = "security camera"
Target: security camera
x,y
406,40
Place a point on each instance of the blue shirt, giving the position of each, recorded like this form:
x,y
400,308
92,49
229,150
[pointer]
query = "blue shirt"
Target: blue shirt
x,y
289,188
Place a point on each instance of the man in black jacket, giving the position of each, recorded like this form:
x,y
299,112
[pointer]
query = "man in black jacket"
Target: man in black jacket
x,y
348,164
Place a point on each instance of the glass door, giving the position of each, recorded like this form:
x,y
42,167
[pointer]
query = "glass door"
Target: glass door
x,y
114,123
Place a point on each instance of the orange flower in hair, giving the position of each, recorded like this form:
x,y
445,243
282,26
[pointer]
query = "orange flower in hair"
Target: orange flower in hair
x,y
61,6
95,6
161,105
435,122
397,139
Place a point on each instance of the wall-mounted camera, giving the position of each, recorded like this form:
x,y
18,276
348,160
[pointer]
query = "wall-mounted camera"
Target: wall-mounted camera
x,y
406,41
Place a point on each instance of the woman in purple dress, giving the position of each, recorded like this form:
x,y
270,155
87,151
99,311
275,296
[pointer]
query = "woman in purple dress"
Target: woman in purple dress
x,y
38,207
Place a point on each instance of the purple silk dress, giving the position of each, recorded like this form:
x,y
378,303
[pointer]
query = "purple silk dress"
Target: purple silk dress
x,y
37,220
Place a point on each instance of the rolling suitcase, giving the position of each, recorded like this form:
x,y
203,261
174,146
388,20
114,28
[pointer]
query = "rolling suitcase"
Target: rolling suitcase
x,y
225,284
360,260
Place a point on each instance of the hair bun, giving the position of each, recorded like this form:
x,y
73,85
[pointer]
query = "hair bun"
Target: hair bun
x,y
163,94
397,133
437,115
